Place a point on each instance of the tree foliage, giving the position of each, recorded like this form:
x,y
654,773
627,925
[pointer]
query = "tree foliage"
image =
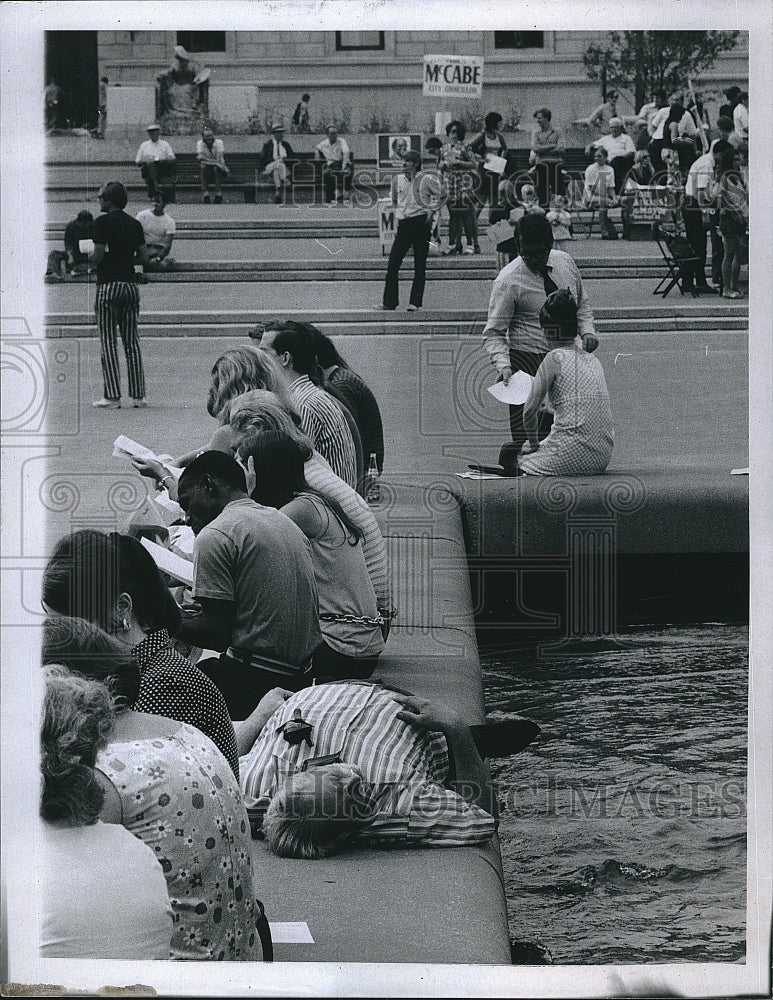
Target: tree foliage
x,y
646,61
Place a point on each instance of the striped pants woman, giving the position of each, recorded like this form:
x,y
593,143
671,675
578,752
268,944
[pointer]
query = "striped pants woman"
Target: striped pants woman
x,y
118,309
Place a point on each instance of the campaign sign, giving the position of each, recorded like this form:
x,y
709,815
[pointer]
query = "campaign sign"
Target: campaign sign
x,y
392,147
387,224
453,76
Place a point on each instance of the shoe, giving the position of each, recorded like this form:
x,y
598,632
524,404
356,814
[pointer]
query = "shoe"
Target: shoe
x,y
386,308
503,739
476,249
469,250
707,289
610,234
731,295
107,404
277,199
412,308
333,204
218,199
139,404
206,199
347,203
453,250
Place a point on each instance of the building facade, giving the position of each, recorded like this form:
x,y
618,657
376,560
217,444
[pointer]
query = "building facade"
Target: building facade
x,y
363,81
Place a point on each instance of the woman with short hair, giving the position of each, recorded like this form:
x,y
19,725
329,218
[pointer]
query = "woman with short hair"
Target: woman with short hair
x,y
103,893
169,785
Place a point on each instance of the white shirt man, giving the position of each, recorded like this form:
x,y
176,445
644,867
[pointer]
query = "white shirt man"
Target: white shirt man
x,y
159,229
699,176
617,143
336,156
741,120
154,149
599,182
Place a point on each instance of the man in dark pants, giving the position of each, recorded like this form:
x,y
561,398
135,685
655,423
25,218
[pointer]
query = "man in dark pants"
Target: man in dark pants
x,y
117,239
513,335
415,198
699,178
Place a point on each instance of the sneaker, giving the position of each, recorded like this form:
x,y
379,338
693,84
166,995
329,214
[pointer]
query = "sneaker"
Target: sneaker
x,y
139,404
476,249
469,250
333,204
206,199
347,202
383,308
218,199
412,308
731,295
107,404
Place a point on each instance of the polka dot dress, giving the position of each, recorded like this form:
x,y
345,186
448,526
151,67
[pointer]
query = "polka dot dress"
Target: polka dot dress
x,y
581,439
180,798
175,687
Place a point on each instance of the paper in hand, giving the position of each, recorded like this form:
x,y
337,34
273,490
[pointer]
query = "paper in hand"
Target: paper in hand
x,y
170,563
86,246
496,164
515,392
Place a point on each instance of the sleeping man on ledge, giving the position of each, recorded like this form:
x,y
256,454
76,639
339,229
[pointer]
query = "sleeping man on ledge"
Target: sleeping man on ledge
x,y
357,761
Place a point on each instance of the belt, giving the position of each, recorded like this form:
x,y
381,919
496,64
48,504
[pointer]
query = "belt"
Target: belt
x,y
261,661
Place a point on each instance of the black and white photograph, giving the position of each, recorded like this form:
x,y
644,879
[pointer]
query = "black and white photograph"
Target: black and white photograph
x,y
387,408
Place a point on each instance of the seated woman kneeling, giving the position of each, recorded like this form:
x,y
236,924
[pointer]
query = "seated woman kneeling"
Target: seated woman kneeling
x,y
581,439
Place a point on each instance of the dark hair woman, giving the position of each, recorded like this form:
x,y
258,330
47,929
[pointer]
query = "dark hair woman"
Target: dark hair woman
x,y
112,581
349,619
458,165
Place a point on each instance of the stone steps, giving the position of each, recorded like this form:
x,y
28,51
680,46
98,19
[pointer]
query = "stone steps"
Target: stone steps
x,y
656,319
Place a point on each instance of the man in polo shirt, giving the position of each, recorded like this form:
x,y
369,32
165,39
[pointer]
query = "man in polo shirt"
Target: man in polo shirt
x,y
697,199
157,162
389,779
513,336
322,417
336,158
254,581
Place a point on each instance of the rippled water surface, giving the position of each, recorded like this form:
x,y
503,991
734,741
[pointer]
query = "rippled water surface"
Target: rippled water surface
x,y
623,827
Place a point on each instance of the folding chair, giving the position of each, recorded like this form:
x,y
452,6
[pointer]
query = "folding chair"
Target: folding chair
x,y
679,257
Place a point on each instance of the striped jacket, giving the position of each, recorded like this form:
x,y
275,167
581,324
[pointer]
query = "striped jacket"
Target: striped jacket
x,y
403,766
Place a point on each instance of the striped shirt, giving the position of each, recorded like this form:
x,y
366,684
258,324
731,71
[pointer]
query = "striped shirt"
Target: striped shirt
x,y
403,766
323,421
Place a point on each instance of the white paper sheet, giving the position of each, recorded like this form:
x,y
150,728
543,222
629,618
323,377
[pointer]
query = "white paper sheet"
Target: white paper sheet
x,y
495,164
86,246
169,563
290,932
515,392
479,475
739,472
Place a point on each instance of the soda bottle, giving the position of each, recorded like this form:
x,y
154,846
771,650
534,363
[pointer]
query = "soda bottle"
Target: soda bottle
x,y
373,489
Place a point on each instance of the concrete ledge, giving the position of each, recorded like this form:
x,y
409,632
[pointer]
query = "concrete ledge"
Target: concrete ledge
x,y
429,905
573,556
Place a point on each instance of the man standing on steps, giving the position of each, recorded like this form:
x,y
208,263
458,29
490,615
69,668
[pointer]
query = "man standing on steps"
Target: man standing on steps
x,y
117,238
513,335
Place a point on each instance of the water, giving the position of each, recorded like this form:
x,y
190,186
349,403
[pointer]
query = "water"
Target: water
x,y
623,827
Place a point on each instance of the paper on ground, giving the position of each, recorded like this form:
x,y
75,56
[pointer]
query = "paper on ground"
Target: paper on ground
x,y
478,475
290,932
739,472
169,563
516,391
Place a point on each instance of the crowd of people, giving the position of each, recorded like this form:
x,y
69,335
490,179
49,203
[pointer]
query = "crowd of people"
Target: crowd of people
x,y
178,718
